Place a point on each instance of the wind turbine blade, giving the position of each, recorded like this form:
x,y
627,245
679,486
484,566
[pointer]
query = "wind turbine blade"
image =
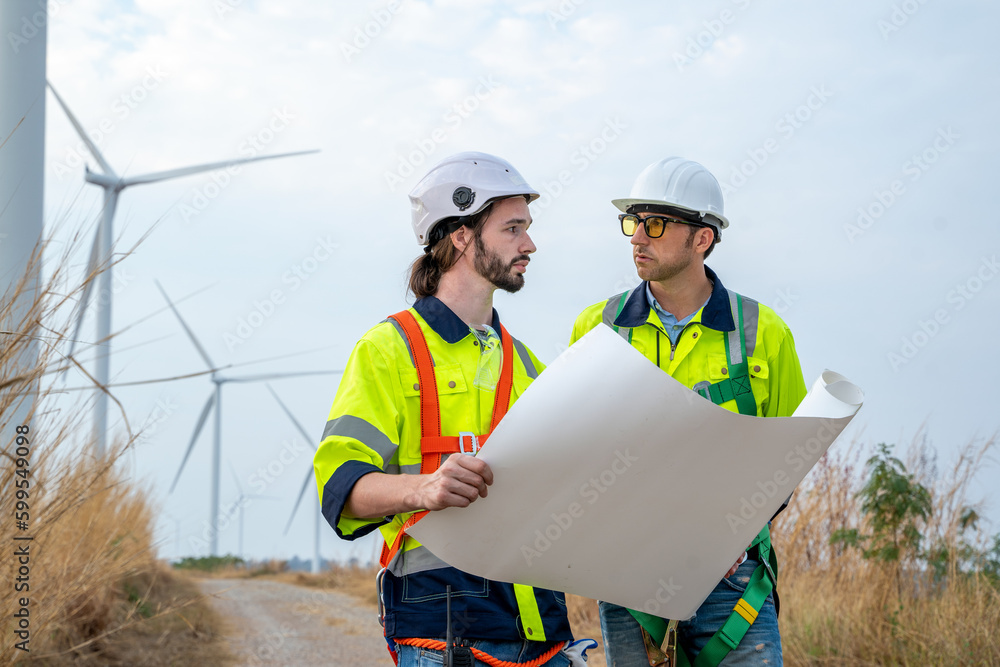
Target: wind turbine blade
x,y
278,376
291,416
284,356
201,350
197,430
88,285
305,485
84,136
235,478
188,171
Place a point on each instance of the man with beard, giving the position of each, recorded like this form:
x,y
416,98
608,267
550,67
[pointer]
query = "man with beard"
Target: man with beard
x,y
423,387
730,349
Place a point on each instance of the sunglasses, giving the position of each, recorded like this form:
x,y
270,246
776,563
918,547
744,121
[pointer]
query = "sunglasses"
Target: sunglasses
x,y
655,224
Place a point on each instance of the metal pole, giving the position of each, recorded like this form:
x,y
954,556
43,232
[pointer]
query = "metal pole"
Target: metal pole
x,y
24,32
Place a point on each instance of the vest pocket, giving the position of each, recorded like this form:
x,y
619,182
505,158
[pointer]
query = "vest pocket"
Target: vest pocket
x,y
424,586
449,378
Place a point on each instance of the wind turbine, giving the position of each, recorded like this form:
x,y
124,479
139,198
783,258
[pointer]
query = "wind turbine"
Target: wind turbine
x,y
215,400
99,263
241,506
305,485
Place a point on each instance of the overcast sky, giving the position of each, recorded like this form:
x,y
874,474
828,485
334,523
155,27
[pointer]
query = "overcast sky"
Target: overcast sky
x,y
856,143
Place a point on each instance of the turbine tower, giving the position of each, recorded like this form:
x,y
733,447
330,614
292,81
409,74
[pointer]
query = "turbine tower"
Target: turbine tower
x,y
24,26
100,260
215,400
305,485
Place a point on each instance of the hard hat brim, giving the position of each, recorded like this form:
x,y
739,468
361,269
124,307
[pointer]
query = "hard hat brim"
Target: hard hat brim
x,y
529,194
624,205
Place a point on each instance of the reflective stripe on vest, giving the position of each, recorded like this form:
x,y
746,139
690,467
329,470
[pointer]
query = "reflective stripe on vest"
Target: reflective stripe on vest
x,y
611,312
433,445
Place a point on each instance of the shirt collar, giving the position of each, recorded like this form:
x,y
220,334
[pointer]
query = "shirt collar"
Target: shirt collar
x,y
444,321
716,314
667,317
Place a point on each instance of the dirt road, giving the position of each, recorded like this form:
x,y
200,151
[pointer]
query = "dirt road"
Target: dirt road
x,y
273,623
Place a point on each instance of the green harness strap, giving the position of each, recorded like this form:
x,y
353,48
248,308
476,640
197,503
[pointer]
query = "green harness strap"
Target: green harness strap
x,y
745,612
735,387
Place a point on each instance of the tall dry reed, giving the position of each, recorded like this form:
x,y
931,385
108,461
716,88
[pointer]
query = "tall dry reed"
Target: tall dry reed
x,y
839,608
90,566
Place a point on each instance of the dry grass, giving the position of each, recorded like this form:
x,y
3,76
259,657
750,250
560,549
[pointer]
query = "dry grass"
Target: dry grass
x,y
95,593
269,569
98,596
838,608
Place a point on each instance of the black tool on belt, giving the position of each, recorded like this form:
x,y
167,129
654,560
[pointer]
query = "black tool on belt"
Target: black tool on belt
x,y
454,656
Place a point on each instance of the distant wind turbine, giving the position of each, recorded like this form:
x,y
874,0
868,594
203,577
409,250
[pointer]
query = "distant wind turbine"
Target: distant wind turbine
x,y
100,255
305,485
215,400
241,506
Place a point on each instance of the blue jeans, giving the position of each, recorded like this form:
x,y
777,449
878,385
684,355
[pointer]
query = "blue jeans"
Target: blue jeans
x,y
623,644
516,651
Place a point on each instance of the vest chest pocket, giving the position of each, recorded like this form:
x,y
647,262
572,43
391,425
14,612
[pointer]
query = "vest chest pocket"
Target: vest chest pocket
x,y
716,369
449,378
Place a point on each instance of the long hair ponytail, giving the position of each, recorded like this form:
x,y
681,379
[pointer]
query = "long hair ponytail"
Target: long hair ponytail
x,y
426,271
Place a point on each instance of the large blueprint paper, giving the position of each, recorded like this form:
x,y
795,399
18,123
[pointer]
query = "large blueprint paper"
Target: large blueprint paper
x,y
615,482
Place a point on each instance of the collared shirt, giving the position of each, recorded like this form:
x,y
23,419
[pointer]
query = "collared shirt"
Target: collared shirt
x,y
671,324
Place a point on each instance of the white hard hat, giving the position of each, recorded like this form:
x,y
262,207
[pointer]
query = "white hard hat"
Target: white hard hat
x,y
462,185
679,183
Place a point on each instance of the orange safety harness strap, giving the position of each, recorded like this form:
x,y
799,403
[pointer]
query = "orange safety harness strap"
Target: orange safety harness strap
x,y
433,446
438,645
430,406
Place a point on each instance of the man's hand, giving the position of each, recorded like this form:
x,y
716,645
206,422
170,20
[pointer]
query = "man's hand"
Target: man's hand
x,y
736,566
458,483
461,480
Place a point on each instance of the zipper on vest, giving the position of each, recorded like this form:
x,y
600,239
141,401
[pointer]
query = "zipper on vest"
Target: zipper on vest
x,y
673,346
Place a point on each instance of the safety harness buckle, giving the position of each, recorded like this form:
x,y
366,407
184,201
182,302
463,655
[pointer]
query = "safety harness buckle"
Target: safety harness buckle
x,y
473,442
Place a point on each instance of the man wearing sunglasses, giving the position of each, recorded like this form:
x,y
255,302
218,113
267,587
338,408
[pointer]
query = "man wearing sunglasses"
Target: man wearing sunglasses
x,y
422,388
730,349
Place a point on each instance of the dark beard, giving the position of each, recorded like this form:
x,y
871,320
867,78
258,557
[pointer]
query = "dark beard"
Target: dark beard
x,y
492,267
